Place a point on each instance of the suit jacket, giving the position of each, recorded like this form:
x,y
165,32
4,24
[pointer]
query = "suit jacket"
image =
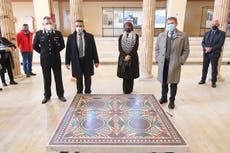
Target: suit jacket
x,y
49,47
72,55
179,54
216,43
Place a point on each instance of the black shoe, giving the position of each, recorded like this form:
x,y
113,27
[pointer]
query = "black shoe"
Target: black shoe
x,y
163,100
31,73
79,92
1,89
201,82
27,75
171,105
63,99
4,84
45,100
13,82
214,85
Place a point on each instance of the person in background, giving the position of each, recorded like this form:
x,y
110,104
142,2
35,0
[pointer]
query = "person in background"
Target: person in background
x,y
7,62
81,53
48,43
172,50
24,40
212,44
128,64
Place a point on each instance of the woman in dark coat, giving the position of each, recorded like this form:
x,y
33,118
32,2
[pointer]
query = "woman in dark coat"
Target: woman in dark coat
x,y
128,64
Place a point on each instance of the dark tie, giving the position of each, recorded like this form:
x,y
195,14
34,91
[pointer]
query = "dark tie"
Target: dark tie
x,y
80,45
169,43
212,36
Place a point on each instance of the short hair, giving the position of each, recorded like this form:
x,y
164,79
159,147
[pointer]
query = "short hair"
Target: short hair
x,y
47,18
172,18
79,20
25,25
129,24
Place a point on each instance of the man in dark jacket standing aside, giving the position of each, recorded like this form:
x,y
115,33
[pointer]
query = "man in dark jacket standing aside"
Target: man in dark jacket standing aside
x,y
24,40
48,43
81,53
212,44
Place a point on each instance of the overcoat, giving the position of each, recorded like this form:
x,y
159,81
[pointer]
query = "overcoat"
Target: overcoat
x,y
179,54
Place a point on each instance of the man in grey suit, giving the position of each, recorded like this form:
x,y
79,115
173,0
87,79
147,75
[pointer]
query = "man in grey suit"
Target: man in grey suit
x,y
172,50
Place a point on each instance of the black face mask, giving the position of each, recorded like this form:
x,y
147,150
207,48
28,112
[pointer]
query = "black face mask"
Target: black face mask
x,y
128,30
214,27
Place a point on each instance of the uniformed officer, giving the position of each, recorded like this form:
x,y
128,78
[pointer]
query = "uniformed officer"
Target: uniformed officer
x,y
48,43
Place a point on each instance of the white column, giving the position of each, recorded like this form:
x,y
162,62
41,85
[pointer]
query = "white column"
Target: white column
x,y
221,13
41,8
7,23
75,12
177,8
147,39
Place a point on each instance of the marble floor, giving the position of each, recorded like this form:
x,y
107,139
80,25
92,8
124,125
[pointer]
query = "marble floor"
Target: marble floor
x,y
202,114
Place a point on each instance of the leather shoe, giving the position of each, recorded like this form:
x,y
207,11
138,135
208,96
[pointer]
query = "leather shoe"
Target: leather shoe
x,y
171,105
163,100
13,82
1,89
201,82
31,73
27,75
4,84
213,85
45,100
63,99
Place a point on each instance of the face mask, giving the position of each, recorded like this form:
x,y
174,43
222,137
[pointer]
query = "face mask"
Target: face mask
x,y
170,27
26,30
79,30
48,27
214,27
128,30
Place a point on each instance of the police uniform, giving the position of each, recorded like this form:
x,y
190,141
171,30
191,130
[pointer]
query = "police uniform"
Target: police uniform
x,y
49,45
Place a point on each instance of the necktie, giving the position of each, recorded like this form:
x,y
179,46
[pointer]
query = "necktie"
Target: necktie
x,y
212,36
80,45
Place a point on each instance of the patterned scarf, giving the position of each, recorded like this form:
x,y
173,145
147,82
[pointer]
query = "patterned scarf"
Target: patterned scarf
x,y
128,41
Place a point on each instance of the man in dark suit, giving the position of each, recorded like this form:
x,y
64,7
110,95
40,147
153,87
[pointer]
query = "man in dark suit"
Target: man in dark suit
x,y
81,53
6,60
212,44
48,43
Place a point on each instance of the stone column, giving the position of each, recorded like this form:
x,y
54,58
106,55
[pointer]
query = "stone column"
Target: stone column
x,y
147,39
75,12
42,8
221,13
7,23
177,8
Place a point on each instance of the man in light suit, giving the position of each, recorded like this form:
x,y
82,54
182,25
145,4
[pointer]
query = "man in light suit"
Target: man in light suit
x,y
81,53
212,44
172,50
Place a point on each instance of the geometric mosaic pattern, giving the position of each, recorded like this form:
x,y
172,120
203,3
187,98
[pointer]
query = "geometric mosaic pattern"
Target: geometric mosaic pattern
x,y
115,120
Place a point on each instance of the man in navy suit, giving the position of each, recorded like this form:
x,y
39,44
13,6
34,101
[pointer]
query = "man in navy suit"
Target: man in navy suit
x,y
81,53
212,44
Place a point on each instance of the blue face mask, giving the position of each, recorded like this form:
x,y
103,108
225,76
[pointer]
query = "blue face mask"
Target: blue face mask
x,y
170,27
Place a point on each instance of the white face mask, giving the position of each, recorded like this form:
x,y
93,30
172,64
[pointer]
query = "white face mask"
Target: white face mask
x,y
79,30
48,27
